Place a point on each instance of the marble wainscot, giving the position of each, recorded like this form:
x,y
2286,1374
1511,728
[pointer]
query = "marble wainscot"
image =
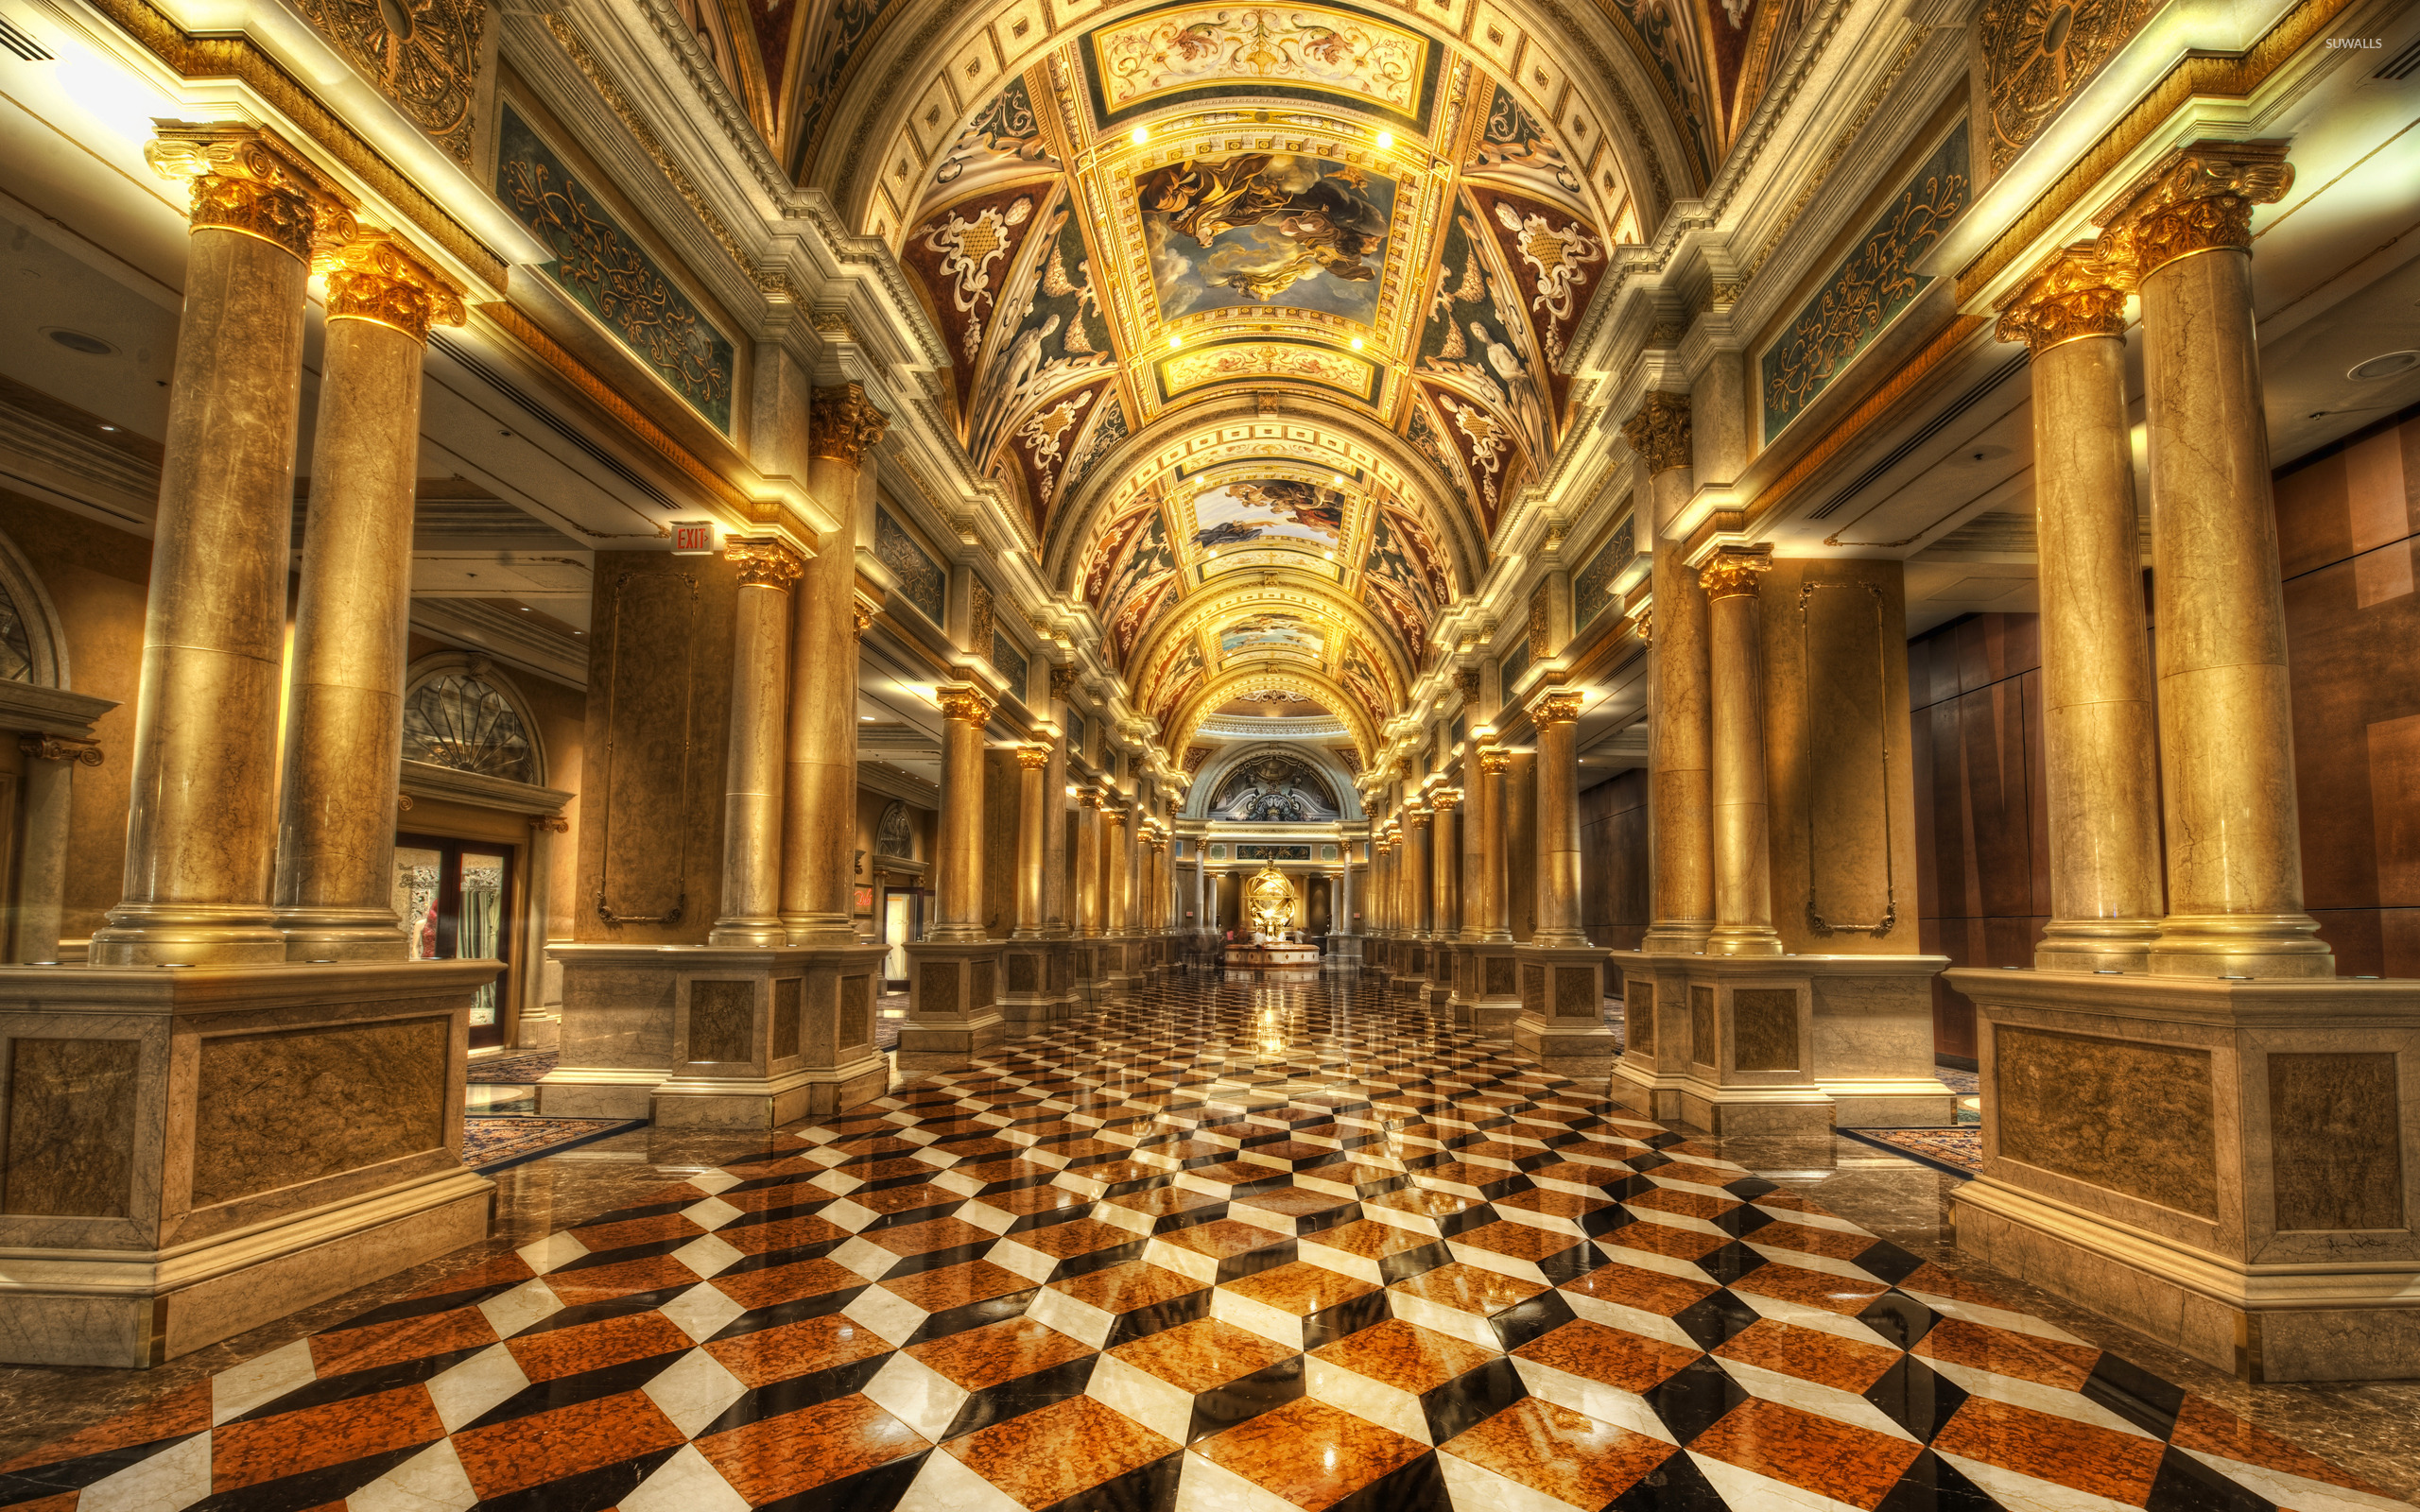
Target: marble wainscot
x,y
714,1037
1781,1044
194,1151
2231,1166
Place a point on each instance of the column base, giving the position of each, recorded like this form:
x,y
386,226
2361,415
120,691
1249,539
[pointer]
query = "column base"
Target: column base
x,y
323,934
1676,937
1561,1019
2231,1167
1411,974
203,1208
2253,945
953,1004
1787,1045
768,1102
1344,954
187,935
1375,958
2096,945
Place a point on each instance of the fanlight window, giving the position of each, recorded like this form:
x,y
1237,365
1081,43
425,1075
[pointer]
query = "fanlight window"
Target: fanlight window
x,y
16,645
457,720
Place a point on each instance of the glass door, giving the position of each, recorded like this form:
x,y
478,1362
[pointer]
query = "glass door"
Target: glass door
x,y
453,897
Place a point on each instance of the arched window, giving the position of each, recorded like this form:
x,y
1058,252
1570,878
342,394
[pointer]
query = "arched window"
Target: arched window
x,y
16,643
461,715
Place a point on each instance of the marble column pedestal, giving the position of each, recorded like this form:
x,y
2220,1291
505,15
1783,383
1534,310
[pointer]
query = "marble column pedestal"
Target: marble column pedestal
x,y
1374,958
224,1145
1121,966
1560,1020
714,1037
1028,1004
1439,988
1344,954
1411,974
1790,1045
2231,1167
1487,989
953,1004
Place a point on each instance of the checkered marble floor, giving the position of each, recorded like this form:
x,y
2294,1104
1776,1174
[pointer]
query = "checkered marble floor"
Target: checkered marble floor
x,y
1229,1248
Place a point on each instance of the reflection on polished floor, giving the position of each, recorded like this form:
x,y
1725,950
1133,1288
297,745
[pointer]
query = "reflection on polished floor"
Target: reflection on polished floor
x,y
1228,1248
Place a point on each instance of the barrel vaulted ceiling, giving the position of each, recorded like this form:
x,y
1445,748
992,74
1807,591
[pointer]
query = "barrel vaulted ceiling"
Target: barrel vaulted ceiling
x,y
1255,311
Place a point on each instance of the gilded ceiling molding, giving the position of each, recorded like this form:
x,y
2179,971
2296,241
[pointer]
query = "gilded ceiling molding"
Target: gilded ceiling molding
x,y
2036,58
1319,685
1660,432
239,57
2197,76
373,278
842,423
423,58
2075,296
1840,142
2198,199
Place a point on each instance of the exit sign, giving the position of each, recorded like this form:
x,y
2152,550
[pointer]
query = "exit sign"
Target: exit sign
x,y
693,538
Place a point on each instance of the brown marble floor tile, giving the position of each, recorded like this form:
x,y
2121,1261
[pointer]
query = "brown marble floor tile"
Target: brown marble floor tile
x,y
1356,1173
262,1448
1498,1150
776,1457
552,1352
782,1234
1301,1288
547,1446
1081,1149
1293,1202
1469,1288
507,1270
1461,1174
404,1338
2023,1356
1552,1204
1826,1359
1424,1202
175,1414
1687,1204
1124,1288
2204,1425
792,1349
632,1231
1821,1454
1812,1288
1517,1241
786,1284
1649,1291
1014,1169
1117,1173
1368,1238
1222,1237
602,1283
1027,1201
1078,1236
2050,1448
1312,1454
1932,1280
1830,1243
1201,1355
1631,1362
984,1357
1048,1457
788,1194
888,1200
974,1281
932,1235
1568,1455
1404,1355
1663,1239
1293,1150
1165,1202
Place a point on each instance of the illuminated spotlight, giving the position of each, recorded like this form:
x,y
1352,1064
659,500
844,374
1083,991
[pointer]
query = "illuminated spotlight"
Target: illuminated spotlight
x,y
1386,139
1357,343
1175,341
1336,480
1328,555
1141,134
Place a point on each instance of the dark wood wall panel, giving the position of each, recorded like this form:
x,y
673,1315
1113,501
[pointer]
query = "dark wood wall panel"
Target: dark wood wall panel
x,y
1613,861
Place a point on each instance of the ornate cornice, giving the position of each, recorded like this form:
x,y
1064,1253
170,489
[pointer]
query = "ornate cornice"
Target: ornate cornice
x,y
765,563
2198,199
965,704
1660,431
373,278
1733,571
843,424
244,179
2074,296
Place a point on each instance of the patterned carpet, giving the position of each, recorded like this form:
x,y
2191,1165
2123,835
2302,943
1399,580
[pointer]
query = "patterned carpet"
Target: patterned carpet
x,y
492,1144
511,1070
1959,1151
1230,1247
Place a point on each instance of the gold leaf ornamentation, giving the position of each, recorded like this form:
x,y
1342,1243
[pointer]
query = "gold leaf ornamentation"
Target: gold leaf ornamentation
x,y
371,278
1660,432
2075,295
421,54
842,423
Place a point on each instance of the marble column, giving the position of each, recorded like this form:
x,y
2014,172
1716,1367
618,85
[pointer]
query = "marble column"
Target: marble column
x,y
1448,860
1091,907
2100,757
1117,866
1743,886
1344,921
1058,913
819,791
1555,715
202,820
1494,914
2235,885
964,713
752,804
1420,870
1033,822
1679,734
344,722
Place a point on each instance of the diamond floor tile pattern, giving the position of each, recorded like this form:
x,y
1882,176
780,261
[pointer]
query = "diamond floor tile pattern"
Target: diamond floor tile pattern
x,y
1226,1248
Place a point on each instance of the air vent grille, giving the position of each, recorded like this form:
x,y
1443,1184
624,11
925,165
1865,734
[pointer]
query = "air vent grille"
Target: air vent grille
x,y
18,41
2403,64
504,386
1934,427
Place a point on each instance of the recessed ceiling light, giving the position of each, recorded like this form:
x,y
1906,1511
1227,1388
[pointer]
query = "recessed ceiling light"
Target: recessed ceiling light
x,y
109,427
2385,365
1141,134
524,608
1336,480
865,719
90,346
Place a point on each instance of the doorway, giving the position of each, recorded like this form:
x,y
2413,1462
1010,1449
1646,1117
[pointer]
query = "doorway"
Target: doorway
x,y
898,928
454,898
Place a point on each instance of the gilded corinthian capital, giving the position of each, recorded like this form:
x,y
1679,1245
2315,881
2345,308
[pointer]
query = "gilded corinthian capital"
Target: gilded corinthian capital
x,y
965,704
1660,432
842,424
373,278
765,563
1733,571
2198,199
1561,706
247,182
2074,295
1494,761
